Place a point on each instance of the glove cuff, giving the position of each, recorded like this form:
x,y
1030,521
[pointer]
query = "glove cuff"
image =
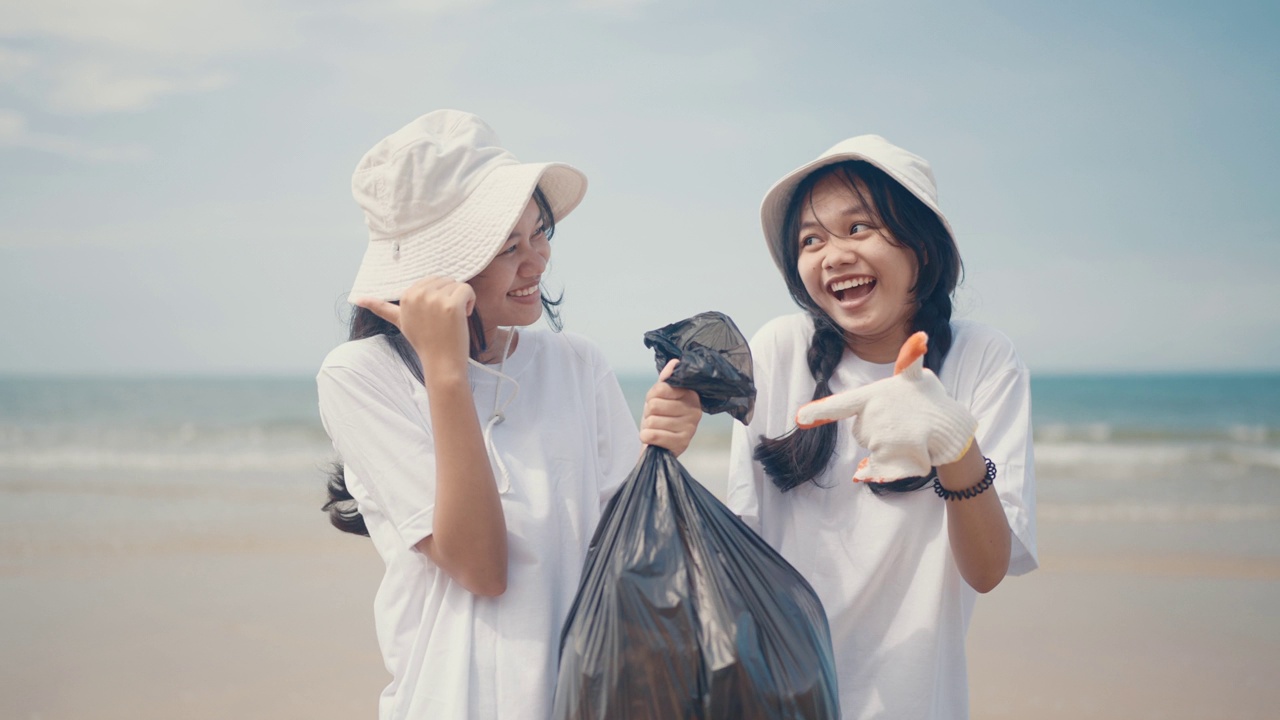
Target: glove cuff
x,y
952,436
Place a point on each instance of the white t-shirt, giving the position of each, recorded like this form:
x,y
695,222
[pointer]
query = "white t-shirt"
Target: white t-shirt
x,y
882,565
568,441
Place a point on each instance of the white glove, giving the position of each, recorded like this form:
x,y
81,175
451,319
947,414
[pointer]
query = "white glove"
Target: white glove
x,y
907,421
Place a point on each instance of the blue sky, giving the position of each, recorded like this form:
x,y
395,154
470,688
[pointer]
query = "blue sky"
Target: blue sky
x,y
175,174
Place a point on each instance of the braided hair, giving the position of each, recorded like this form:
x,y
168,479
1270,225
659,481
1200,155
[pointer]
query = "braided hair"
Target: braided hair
x,y
802,455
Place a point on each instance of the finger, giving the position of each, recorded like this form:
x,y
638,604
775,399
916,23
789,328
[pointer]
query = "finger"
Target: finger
x,y
467,296
677,443
671,408
422,288
667,391
383,309
683,412
649,434
670,426
667,369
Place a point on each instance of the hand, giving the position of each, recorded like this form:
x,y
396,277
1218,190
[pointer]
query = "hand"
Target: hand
x,y
907,421
671,415
432,315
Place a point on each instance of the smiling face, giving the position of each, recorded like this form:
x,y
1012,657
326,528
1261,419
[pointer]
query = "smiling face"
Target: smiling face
x,y
854,269
507,290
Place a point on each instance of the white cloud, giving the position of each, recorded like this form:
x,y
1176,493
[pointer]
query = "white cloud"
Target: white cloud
x,y
125,55
189,28
624,7
15,134
14,63
86,57
430,7
96,88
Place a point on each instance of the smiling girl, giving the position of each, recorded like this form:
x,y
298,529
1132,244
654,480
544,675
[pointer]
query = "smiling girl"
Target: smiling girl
x,y
475,453
869,257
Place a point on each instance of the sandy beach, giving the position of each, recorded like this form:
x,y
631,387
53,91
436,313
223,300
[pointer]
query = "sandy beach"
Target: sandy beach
x,y
228,596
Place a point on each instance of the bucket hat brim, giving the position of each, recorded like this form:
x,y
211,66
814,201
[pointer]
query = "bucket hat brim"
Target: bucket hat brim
x,y
463,242
909,170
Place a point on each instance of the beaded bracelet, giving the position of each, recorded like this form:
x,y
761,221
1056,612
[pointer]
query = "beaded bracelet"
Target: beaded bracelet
x,y
968,492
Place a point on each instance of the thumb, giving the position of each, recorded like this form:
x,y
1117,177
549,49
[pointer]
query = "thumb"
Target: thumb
x,y
468,295
383,309
667,369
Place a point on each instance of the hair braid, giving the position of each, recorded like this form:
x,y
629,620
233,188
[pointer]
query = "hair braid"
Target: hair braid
x,y
801,454
934,318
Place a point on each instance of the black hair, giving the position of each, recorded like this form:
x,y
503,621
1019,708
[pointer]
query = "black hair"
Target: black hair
x,y
801,455
341,506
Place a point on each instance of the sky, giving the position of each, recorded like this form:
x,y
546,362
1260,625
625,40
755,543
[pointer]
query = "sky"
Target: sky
x,y
175,174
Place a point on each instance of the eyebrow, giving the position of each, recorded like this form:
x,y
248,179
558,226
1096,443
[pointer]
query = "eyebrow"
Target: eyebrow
x,y
851,210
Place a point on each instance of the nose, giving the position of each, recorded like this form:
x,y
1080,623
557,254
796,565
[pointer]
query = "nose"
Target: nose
x,y
840,252
535,262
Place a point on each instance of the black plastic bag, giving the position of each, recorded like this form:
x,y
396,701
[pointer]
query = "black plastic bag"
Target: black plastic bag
x,y
683,611
715,362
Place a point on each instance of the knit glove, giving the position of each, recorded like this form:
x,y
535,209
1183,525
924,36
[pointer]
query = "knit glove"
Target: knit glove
x,y
907,421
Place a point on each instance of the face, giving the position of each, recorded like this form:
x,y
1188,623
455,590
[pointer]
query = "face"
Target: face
x,y
507,290
854,270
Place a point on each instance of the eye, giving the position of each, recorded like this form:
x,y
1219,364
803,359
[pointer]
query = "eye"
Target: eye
x,y
809,241
541,231
510,249
859,228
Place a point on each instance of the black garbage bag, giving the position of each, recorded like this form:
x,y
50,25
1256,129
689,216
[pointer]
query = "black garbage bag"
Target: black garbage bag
x,y
715,362
683,611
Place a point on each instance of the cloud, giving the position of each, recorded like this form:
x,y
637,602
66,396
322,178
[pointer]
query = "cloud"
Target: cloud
x,y
15,134
622,7
125,55
87,57
97,88
186,29
417,7
14,63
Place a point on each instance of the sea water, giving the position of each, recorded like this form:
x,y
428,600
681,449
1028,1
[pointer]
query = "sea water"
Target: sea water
x,y
1194,446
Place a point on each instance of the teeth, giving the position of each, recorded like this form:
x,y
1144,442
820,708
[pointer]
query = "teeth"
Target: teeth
x,y
846,284
524,293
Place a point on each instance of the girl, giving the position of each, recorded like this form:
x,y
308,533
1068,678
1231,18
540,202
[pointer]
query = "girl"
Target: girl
x,y
476,456
867,254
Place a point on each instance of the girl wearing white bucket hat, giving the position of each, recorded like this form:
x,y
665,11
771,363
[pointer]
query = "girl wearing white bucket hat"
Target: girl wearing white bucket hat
x,y
475,455
938,444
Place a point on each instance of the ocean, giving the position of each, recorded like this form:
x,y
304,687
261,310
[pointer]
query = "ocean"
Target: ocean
x,y
1130,447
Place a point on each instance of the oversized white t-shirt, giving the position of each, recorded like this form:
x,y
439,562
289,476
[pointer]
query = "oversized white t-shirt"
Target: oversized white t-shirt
x,y
567,443
882,564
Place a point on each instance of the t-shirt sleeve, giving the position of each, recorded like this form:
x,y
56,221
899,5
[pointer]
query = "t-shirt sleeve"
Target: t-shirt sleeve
x,y
384,441
618,438
1002,406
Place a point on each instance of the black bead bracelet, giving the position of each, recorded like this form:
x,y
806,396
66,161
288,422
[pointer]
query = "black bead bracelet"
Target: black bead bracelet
x,y
968,492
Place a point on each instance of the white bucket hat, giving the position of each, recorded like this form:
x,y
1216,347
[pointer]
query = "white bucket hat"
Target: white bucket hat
x,y
440,196
910,170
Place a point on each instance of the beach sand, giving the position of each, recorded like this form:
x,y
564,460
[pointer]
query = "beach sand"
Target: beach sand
x,y
140,597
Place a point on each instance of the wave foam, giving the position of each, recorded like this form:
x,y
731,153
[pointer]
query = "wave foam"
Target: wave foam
x,y
92,459
1147,513
1151,455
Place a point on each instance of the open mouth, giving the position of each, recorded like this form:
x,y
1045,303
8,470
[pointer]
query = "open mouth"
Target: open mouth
x,y
852,288
525,292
